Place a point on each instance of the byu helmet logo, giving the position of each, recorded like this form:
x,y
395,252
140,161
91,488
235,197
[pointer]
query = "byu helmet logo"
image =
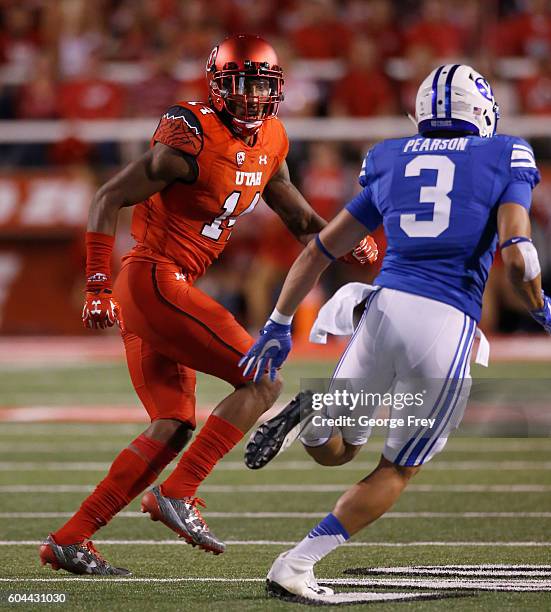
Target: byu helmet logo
x,y
484,88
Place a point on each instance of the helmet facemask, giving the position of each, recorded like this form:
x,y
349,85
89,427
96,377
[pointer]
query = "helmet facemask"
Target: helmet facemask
x,y
245,82
251,95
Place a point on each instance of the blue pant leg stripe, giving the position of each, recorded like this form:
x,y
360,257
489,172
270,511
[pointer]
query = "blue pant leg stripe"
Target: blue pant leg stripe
x,y
450,396
452,408
449,401
419,431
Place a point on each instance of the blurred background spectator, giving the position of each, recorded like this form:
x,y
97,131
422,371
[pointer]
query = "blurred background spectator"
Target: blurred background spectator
x,y
364,90
77,60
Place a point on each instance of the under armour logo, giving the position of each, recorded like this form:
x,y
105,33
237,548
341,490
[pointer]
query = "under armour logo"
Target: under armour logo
x,y
179,276
96,307
263,159
98,277
80,559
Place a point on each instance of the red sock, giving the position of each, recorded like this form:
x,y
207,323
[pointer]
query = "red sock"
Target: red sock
x,y
133,470
215,440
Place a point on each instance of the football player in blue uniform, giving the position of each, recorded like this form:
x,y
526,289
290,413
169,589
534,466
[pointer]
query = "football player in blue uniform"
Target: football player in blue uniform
x,y
446,197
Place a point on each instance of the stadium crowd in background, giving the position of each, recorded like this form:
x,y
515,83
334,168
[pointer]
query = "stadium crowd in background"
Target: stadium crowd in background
x,y
105,59
110,59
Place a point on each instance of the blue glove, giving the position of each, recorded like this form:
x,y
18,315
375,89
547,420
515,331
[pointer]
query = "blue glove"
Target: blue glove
x,y
543,315
269,351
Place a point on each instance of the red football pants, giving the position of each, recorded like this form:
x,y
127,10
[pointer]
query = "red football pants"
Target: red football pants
x,y
171,330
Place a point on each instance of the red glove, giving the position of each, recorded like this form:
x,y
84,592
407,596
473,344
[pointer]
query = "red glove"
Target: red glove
x,y
365,252
100,308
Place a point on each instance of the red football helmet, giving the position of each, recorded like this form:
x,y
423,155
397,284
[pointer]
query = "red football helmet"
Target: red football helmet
x,y
245,80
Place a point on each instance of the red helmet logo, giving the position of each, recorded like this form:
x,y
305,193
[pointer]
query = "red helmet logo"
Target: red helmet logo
x,y
212,58
245,79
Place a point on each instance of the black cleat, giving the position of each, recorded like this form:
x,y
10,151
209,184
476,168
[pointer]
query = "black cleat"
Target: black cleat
x,y
277,434
183,517
80,558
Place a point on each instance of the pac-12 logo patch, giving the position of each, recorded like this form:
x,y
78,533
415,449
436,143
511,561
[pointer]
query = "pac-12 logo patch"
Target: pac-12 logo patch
x,y
240,158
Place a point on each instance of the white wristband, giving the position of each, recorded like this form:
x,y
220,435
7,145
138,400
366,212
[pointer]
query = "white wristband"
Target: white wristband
x,y
282,319
531,261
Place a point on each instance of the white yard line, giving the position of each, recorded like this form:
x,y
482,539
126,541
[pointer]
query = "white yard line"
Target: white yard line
x,y
510,585
69,430
500,544
96,466
469,571
296,515
8,445
448,583
62,448
285,488
104,579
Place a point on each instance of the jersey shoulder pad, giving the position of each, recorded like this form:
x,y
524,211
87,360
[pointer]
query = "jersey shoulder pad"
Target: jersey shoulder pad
x,y
521,161
180,128
367,172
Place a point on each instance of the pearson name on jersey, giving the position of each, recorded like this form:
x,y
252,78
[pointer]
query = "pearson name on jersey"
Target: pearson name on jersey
x,y
416,145
438,199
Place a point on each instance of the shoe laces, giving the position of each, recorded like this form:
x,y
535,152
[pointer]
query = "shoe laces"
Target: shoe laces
x,y
197,501
89,545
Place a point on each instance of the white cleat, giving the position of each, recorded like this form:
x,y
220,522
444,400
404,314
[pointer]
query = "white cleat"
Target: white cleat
x,y
286,581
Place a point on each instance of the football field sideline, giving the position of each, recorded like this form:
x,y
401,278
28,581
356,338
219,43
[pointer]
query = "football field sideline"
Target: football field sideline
x,y
109,347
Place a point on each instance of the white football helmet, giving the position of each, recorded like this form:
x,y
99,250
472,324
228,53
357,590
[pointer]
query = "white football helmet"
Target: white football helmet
x,y
456,97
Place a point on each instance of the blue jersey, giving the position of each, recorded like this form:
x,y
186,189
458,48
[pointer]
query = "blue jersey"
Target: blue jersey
x,y
437,199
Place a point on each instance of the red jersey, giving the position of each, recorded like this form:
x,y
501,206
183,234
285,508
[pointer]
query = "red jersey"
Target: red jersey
x,y
190,223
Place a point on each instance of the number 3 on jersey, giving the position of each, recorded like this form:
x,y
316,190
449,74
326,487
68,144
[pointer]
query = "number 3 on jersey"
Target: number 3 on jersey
x,y
435,194
225,220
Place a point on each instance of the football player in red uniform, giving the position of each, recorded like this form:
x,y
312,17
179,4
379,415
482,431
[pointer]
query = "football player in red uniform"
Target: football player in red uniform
x,y
208,164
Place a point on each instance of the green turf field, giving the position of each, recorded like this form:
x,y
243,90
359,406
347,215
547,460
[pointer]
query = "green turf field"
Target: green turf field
x,y
483,501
